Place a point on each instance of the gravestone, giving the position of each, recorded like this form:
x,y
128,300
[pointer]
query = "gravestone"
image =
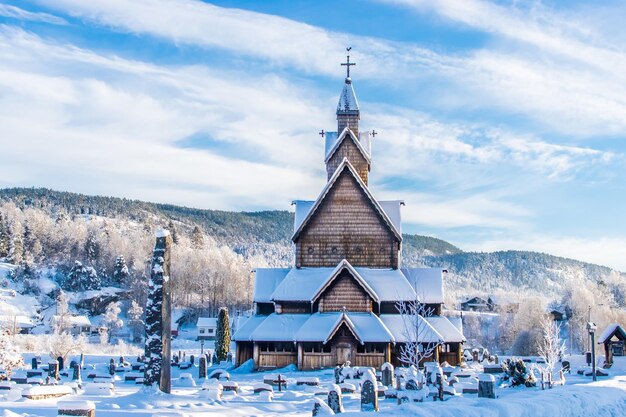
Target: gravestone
x,y
496,360
159,316
369,396
411,384
112,367
76,372
214,360
121,360
61,363
475,355
337,373
320,409
33,363
566,366
229,357
486,386
48,380
82,360
202,368
334,399
53,369
387,374
192,359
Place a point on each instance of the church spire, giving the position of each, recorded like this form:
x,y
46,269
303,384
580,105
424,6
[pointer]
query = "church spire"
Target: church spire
x,y
348,113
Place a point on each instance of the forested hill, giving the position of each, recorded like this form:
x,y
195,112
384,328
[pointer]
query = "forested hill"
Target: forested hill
x,y
238,230
265,236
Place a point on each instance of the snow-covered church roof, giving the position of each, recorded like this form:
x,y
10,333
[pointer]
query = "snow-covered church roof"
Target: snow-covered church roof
x,y
303,284
333,140
347,100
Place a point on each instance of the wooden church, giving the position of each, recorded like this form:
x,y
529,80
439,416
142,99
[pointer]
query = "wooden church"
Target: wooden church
x,y
340,302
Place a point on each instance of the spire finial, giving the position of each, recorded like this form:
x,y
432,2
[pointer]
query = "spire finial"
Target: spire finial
x,y
348,64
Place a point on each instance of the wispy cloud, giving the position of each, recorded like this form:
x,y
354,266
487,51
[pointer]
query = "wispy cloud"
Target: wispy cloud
x,y
15,12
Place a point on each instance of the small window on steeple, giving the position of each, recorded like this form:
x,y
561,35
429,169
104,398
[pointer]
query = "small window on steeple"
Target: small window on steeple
x,y
310,250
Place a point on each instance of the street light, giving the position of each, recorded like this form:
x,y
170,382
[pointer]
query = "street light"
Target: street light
x,y
591,327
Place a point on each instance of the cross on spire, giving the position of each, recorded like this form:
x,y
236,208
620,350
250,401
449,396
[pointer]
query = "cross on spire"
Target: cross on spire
x,y
322,133
348,64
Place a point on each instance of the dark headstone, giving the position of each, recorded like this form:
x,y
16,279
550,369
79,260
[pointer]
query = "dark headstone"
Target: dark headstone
x,y
202,368
176,359
33,363
369,397
387,374
112,367
334,400
214,360
475,355
229,357
486,386
48,380
76,373
566,366
53,369
61,363
121,360
192,359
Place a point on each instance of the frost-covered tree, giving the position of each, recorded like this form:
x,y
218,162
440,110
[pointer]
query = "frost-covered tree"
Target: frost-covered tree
x,y
82,278
112,319
63,344
173,232
4,237
16,244
222,335
421,341
10,357
61,321
550,346
135,313
120,272
197,237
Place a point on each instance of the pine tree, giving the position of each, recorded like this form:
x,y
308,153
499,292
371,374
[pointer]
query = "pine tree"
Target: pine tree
x,y
222,335
120,272
92,247
173,232
82,278
197,237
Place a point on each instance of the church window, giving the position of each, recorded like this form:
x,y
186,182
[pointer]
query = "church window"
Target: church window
x,y
310,250
334,250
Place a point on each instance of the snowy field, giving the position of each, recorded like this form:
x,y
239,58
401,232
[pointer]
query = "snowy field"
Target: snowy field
x,y
579,397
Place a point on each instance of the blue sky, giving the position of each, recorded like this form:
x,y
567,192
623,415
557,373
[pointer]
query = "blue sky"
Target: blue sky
x,y
501,124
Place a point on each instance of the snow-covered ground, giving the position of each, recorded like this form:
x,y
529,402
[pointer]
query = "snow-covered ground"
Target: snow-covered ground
x,y
579,397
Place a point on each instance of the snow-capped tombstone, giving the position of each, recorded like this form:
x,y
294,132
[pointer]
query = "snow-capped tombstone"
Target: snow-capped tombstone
x,y
369,396
334,399
53,369
112,367
202,368
76,372
387,374
33,363
76,408
486,386
337,374
321,409
61,363
158,316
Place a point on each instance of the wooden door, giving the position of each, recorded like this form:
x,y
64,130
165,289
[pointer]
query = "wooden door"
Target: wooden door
x,y
344,353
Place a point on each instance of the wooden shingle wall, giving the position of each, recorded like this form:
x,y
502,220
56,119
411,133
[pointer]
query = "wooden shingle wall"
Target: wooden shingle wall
x,y
345,292
349,150
346,226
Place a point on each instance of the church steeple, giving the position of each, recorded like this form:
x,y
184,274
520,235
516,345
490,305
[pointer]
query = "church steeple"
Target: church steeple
x,y
348,114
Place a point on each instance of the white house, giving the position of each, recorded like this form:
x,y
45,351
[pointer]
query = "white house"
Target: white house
x,y
73,324
207,327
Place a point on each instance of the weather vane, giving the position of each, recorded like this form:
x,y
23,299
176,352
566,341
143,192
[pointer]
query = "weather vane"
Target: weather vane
x,y
348,64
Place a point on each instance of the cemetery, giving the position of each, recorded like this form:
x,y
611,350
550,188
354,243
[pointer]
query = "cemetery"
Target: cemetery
x,y
104,386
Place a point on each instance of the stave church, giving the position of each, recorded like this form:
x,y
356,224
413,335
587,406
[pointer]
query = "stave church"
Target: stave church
x,y
342,300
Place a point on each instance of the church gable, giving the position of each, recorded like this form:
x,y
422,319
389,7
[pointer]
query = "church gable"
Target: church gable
x,y
347,224
345,292
348,149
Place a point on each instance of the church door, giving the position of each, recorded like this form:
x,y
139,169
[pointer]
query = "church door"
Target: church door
x,y
344,353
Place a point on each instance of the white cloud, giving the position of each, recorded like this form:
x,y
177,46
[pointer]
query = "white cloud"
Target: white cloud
x,y
15,12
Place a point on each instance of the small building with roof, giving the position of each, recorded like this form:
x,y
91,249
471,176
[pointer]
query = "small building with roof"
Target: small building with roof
x,y
614,340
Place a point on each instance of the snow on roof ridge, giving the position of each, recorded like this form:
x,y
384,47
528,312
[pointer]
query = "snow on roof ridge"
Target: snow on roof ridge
x,y
346,164
162,233
345,264
347,132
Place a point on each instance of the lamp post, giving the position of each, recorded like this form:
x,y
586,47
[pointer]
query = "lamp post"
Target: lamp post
x,y
591,327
